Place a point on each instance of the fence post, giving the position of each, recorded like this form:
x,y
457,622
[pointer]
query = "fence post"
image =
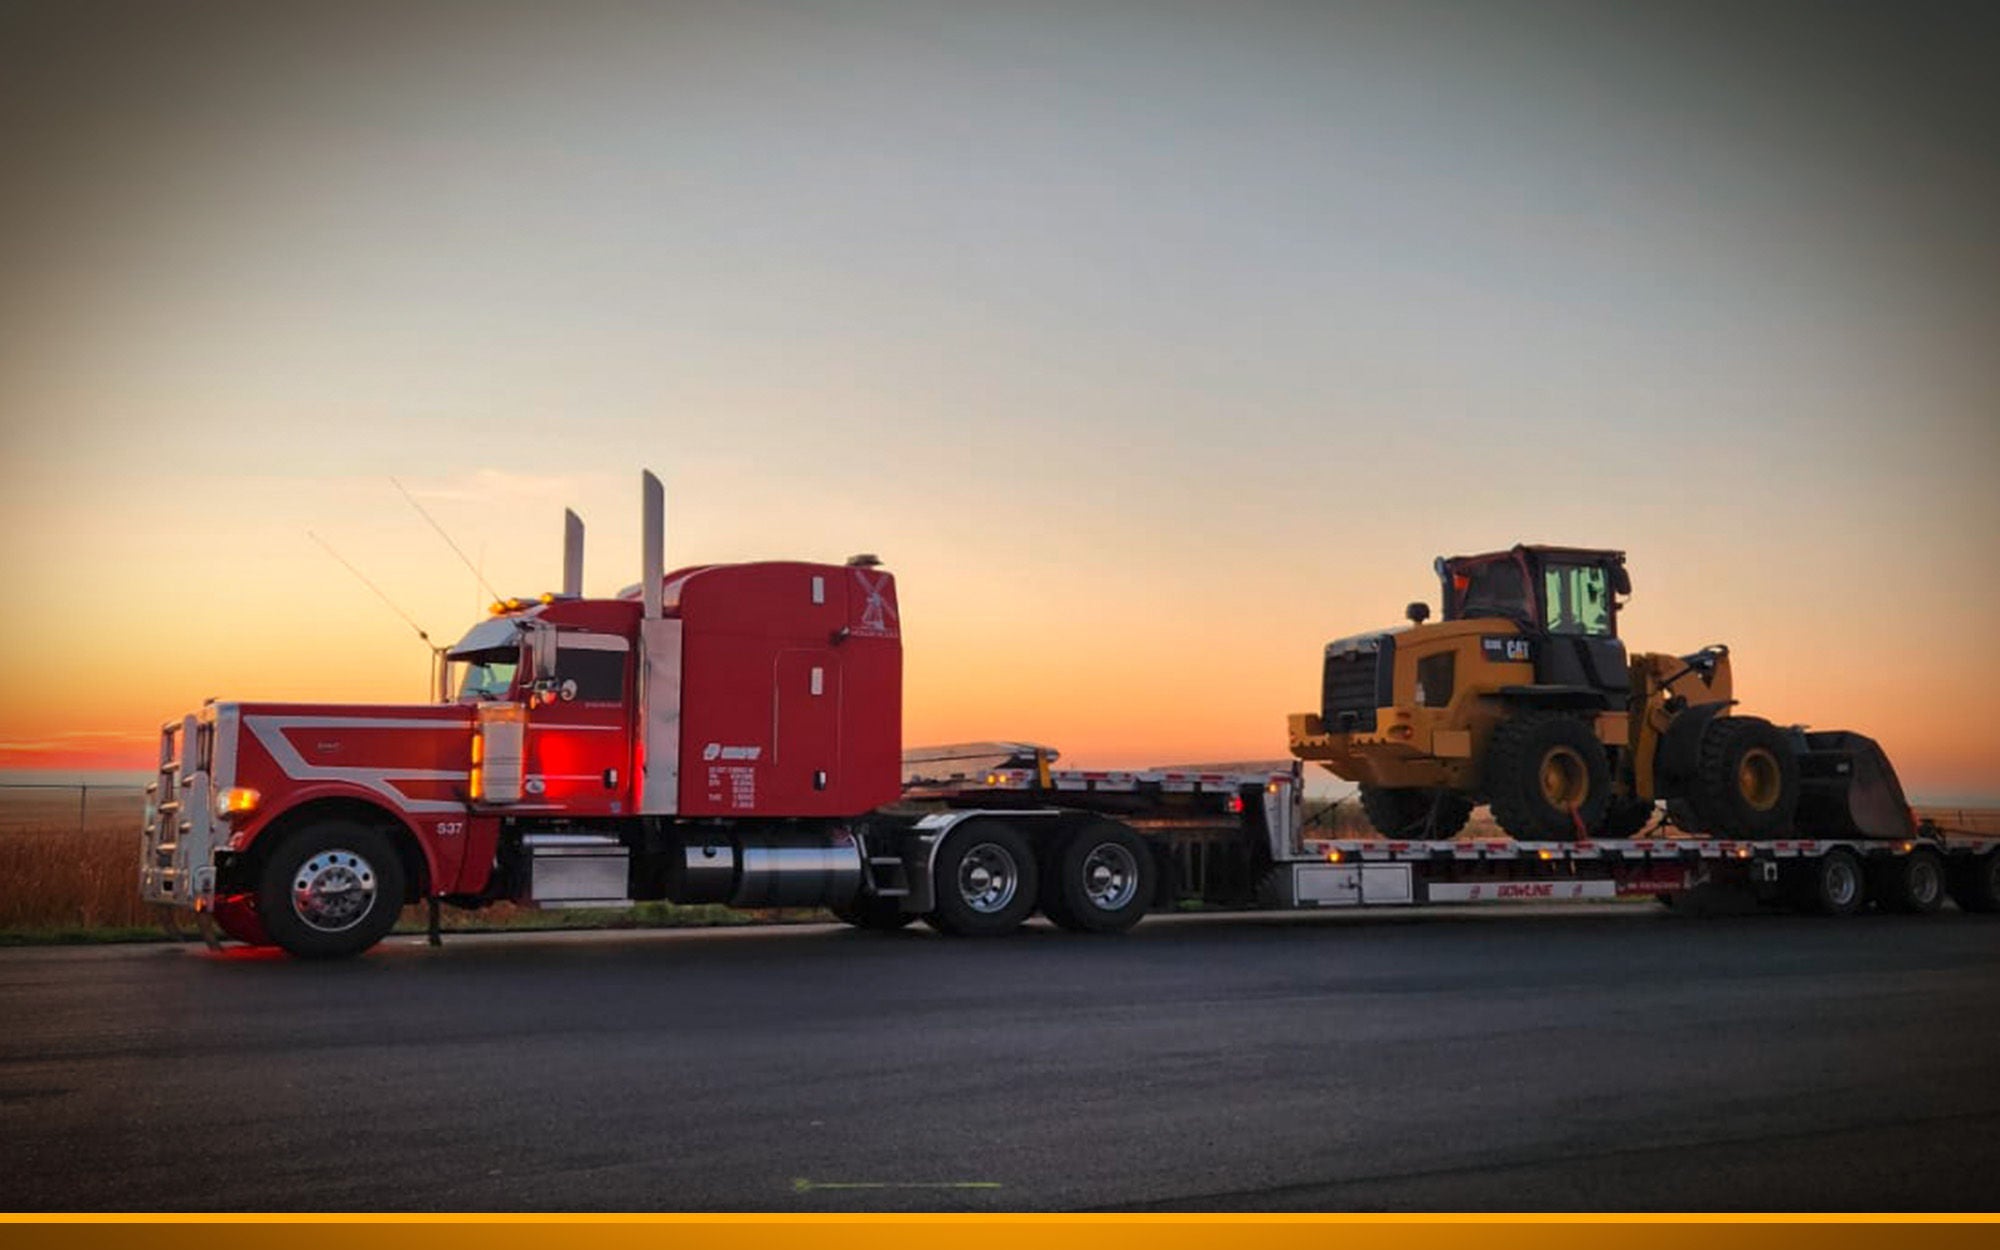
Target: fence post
x,y
82,806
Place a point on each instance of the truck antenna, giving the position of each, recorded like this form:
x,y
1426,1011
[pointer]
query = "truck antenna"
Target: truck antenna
x,y
437,652
480,577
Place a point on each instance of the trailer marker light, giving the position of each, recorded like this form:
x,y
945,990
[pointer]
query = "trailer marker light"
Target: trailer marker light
x,y
1235,804
1546,854
1333,857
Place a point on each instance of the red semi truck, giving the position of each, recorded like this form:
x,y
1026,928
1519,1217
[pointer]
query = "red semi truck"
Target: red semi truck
x,y
732,734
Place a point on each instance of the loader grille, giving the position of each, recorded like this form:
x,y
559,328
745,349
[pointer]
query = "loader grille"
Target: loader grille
x,y
1355,685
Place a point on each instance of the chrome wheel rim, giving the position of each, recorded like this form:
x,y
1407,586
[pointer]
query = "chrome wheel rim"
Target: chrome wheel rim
x,y
988,878
1843,882
333,890
1110,876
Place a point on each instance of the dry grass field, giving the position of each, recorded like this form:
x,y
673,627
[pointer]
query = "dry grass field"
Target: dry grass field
x,y
58,882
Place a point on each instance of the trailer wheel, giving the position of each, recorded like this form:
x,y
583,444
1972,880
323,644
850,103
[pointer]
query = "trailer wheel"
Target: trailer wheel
x,y
1912,883
880,915
330,890
1546,774
984,879
1836,886
1746,782
1975,883
1414,812
1100,880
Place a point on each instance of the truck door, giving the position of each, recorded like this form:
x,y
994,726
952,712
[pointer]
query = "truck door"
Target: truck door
x,y
579,740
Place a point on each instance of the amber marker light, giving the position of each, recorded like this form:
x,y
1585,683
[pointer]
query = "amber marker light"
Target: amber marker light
x,y
236,801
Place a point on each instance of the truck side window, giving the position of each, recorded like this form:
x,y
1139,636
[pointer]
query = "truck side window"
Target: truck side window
x,y
599,675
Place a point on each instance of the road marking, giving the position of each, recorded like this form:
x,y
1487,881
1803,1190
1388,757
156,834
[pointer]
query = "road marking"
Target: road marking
x,y
800,1185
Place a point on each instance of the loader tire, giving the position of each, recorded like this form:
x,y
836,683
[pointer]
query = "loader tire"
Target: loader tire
x,y
1415,812
984,879
1912,883
1546,776
1834,884
878,915
1624,817
1098,880
1746,781
330,890
1975,882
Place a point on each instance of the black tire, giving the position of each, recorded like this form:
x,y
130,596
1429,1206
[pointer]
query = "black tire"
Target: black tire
x,y
878,915
1415,812
1834,884
1974,882
1098,880
1746,780
1546,775
985,880
331,889
1624,817
1912,884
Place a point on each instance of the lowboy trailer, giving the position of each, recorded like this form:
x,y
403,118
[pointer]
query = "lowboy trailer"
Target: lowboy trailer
x,y
733,734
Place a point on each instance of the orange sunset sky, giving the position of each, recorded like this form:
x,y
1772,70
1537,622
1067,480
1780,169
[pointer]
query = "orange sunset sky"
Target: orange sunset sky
x,y
1150,347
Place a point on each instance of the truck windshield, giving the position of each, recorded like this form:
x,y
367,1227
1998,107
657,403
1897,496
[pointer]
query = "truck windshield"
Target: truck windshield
x,y
488,674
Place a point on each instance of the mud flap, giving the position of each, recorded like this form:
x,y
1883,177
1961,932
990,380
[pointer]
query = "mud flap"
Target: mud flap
x,y
1848,790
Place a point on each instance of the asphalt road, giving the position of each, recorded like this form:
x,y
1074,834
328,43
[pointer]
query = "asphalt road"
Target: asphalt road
x,y
1609,1058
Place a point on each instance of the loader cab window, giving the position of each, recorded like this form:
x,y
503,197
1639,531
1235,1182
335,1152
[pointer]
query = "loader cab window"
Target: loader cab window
x,y
1492,589
1576,599
488,674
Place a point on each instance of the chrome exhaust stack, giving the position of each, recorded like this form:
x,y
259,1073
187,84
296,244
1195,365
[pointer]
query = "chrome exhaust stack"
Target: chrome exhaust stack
x,y
653,542
572,579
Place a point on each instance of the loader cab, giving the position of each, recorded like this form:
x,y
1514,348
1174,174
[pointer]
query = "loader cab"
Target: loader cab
x,y
1565,601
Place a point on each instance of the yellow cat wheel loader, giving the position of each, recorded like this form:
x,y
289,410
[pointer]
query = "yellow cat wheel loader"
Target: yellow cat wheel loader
x,y
1522,696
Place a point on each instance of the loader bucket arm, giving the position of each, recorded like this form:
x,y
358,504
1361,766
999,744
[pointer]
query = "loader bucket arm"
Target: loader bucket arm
x,y
1847,789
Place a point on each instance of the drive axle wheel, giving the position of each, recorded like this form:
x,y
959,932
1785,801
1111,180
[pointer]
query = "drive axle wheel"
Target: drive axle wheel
x,y
330,890
1912,883
1546,775
1746,781
1100,879
1835,884
1415,812
984,878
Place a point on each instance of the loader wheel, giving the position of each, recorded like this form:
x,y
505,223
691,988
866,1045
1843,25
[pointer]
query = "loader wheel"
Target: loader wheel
x,y
1746,782
879,915
1624,817
1975,883
1546,776
1912,883
1421,812
330,890
984,879
1835,884
1099,880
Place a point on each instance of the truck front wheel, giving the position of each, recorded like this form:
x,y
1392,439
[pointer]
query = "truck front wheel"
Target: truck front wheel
x,y
330,889
985,880
1100,880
